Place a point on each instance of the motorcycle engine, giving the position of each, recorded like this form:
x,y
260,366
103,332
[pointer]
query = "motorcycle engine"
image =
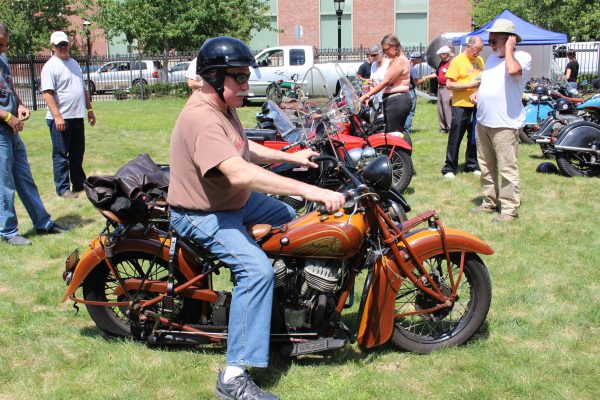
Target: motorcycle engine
x,y
305,288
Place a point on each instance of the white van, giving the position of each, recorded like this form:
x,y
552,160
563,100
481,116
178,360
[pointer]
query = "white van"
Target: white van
x,y
586,53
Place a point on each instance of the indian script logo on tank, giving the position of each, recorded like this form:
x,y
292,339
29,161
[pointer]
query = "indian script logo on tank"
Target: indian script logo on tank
x,y
322,246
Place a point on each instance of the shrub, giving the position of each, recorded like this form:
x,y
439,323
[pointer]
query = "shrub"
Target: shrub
x,y
120,95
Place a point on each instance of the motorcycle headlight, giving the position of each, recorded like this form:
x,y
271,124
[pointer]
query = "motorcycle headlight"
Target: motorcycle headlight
x,y
368,154
355,156
378,174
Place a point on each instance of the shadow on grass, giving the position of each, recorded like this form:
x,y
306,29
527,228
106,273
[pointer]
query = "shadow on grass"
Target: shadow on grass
x,y
70,221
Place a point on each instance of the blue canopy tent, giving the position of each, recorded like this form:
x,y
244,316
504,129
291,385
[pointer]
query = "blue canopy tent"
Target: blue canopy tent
x,y
536,41
531,34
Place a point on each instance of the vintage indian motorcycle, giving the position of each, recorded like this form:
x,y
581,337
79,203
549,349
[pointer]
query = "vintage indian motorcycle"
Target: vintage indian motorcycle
x,y
425,287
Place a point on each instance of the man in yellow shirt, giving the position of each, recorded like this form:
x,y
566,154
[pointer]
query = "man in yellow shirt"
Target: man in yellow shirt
x,y
463,78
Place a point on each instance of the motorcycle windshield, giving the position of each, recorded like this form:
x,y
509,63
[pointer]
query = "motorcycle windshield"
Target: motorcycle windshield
x,y
316,100
286,128
347,91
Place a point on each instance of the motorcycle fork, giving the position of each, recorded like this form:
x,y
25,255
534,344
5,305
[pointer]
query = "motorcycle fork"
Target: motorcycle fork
x,y
410,259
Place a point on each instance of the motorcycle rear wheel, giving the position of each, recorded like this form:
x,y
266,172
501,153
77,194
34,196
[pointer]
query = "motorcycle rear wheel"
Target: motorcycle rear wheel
x,y
100,284
423,333
402,167
571,164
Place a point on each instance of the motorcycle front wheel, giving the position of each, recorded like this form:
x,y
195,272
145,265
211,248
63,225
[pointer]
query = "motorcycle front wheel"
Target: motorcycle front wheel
x,y
526,133
450,326
402,166
100,285
573,164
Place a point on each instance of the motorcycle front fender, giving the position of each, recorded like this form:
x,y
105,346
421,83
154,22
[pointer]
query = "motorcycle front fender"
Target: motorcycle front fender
x,y
390,139
377,321
578,136
95,256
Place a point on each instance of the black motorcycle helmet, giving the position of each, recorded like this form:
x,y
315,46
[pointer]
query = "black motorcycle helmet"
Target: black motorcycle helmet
x,y
219,53
539,90
564,106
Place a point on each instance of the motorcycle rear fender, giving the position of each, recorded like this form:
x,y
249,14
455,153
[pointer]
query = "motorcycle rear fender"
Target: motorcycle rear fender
x,y
377,321
389,139
531,113
578,136
95,256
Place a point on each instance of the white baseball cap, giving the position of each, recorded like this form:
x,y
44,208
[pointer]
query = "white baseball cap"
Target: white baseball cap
x,y
58,37
443,50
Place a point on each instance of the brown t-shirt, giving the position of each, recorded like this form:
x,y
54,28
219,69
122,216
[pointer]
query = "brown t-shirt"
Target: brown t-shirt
x,y
205,135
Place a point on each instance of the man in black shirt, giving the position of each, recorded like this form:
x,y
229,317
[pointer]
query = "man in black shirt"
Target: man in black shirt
x,y
364,71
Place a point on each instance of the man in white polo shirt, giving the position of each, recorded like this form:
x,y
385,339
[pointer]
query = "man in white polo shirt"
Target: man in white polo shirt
x,y
68,103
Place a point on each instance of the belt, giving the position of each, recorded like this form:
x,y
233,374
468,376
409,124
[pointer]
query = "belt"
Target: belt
x,y
388,95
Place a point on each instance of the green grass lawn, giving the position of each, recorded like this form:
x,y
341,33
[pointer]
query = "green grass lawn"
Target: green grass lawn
x,y
541,338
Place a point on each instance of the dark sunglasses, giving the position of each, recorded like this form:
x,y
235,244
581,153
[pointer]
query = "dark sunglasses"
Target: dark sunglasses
x,y
496,41
374,54
61,45
240,77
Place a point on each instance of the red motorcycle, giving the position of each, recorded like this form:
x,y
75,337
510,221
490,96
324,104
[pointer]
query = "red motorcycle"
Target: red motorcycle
x,y
425,286
316,104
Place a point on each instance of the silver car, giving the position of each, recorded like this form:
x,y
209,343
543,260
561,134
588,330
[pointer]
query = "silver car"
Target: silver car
x,y
122,75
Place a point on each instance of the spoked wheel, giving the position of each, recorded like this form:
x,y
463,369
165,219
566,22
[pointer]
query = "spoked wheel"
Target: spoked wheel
x,y
526,133
100,285
574,164
402,166
274,93
449,326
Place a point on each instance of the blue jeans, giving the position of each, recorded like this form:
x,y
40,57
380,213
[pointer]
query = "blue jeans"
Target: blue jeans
x,y
411,114
224,235
15,174
68,147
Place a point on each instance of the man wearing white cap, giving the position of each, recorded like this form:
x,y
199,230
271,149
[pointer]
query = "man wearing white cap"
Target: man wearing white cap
x,y
68,103
500,115
444,95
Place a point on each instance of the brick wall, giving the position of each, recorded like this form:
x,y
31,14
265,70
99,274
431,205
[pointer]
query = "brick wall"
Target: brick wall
x,y
295,12
449,16
371,20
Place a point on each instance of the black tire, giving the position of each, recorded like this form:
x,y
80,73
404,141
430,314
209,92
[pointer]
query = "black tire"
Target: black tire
x,y
402,166
139,82
274,93
573,164
99,285
525,134
423,333
91,87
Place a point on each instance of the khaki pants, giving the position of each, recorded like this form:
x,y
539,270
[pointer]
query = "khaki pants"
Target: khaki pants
x,y
497,150
444,108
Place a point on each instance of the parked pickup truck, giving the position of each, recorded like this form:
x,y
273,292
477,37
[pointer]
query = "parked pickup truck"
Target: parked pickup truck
x,y
280,63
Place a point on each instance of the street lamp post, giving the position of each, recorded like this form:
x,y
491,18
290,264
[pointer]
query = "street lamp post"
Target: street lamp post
x,y
339,10
86,27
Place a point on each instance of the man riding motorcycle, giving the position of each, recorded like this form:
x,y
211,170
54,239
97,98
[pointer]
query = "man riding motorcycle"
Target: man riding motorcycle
x,y
216,189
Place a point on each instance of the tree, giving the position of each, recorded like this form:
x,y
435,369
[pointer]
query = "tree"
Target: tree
x,y
31,22
164,25
577,18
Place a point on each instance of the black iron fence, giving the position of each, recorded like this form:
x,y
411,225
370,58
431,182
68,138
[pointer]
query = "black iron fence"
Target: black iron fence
x,y
587,56
136,75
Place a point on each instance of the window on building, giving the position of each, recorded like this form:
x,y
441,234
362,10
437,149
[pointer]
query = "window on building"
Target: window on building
x,y
329,25
266,37
411,22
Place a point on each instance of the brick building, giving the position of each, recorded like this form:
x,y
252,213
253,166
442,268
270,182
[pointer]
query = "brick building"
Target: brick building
x,y
364,22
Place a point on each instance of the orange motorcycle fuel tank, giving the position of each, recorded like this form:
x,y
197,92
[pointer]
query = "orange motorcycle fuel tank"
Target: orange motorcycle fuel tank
x,y
318,235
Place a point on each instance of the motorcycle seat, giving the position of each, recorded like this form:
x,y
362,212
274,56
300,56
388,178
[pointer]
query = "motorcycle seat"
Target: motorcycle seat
x,y
260,134
258,231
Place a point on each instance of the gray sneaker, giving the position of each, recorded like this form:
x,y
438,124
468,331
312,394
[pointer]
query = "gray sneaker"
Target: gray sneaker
x,y
18,241
241,388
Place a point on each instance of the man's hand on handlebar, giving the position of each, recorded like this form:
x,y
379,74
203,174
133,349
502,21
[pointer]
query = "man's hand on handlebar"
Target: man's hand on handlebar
x,y
303,157
332,201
